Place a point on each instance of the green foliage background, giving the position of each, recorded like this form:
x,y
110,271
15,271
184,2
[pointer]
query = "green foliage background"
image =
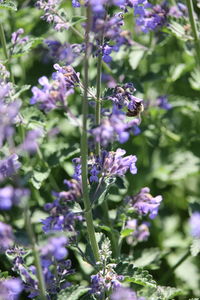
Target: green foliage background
x,y
167,148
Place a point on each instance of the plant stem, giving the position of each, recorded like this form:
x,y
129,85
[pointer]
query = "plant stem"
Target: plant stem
x,y
98,102
41,282
84,146
114,246
177,264
194,28
3,43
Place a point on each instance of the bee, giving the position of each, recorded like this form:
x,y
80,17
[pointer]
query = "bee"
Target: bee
x,y
70,74
139,108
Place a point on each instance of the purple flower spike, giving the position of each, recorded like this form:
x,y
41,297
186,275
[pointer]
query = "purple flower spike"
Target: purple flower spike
x,y
122,293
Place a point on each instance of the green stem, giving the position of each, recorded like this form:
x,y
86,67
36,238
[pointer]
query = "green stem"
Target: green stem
x,y
177,264
114,246
41,282
84,146
3,43
98,101
194,28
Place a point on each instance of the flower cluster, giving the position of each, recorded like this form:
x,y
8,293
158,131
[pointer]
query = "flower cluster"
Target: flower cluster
x,y
64,52
17,39
61,217
162,102
144,203
54,94
10,196
109,164
53,251
6,236
114,127
105,280
51,15
9,166
140,232
123,97
10,289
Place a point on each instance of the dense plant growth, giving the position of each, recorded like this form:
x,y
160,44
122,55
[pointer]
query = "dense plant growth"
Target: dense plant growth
x,y
99,157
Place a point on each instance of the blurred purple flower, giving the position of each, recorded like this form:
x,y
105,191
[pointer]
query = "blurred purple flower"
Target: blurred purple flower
x,y
10,289
56,247
16,37
9,166
162,102
10,196
140,232
195,225
30,143
6,237
144,203
123,293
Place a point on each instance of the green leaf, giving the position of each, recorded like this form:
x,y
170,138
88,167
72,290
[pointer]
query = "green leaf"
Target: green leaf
x,y
195,247
8,5
39,175
135,57
99,190
177,30
4,274
76,20
23,88
194,80
22,49
135,275
74,292
126,232
59,156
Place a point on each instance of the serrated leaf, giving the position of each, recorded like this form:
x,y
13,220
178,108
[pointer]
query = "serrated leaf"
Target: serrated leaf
x,y
59,156
23,88
74,292
194,80
4,274
135,275
8,5
167,292
39,175
195,247
178,30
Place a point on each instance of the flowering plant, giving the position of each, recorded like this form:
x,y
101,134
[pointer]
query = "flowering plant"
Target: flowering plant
x,y
99,194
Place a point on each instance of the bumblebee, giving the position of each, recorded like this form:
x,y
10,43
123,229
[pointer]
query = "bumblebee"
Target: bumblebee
x,y
139,108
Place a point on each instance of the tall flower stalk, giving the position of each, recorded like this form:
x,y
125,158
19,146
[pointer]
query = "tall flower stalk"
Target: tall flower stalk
x,y
3,43
40,277
84,146
194,28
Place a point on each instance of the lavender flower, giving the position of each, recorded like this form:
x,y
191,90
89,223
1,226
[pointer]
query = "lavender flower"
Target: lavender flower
x,y
8,115
9,166
10,289
163,103
178,11
30,143
140,232
10,196
195,225
55,248
16,37
105,281
6,236
123,97
52,258
61,217
144,203
64,52
54,94
123,293
114,164
115,128
51,14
